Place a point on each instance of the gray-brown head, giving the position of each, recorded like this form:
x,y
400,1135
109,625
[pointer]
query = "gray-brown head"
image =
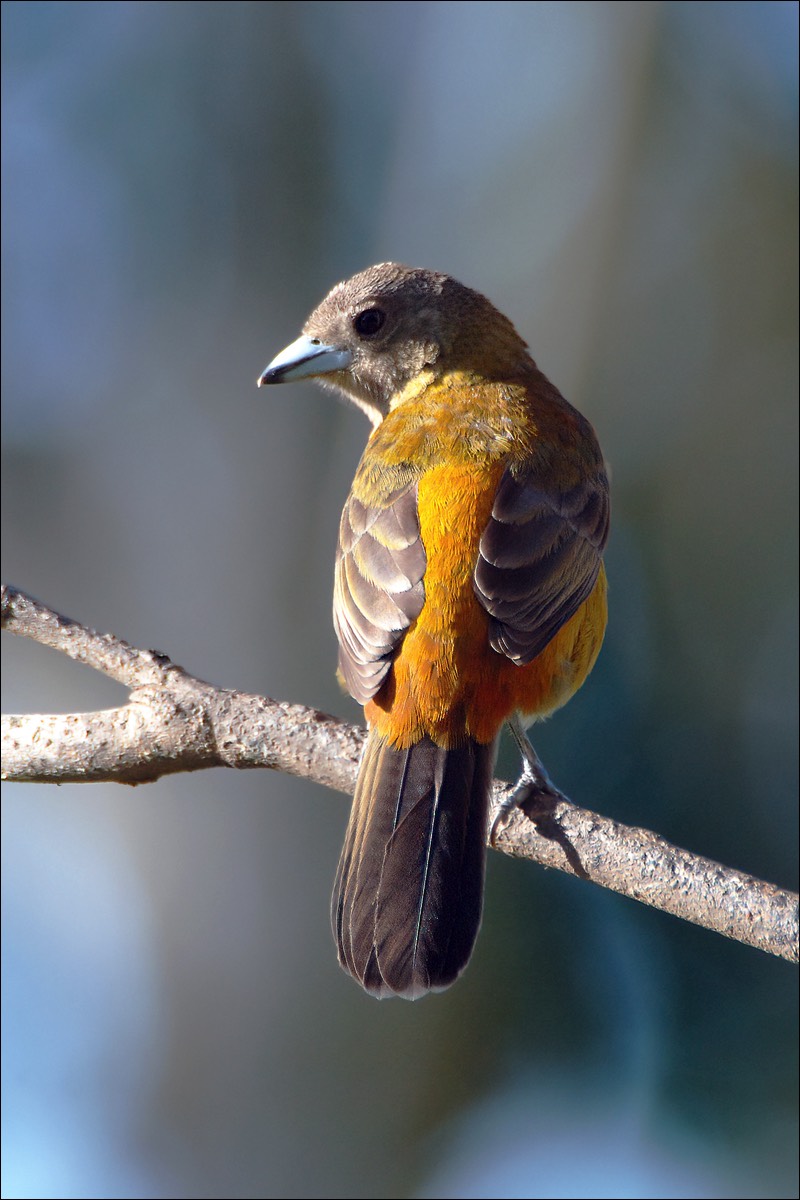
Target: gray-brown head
x,y
374,333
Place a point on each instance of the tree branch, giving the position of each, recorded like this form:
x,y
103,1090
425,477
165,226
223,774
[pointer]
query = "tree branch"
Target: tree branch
x,y
174,722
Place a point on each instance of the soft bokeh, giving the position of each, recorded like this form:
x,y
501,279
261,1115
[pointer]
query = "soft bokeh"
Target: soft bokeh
x,y
183,182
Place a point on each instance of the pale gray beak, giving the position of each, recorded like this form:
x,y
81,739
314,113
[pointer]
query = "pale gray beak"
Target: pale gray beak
x,y
305,357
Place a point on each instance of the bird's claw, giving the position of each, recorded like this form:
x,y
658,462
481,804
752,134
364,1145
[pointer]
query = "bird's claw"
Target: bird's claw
x,y
534,793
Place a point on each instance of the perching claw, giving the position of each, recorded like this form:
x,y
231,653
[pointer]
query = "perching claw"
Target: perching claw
x,y
533,786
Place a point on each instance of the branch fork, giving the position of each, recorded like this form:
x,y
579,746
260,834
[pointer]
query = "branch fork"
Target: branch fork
x,y
174,722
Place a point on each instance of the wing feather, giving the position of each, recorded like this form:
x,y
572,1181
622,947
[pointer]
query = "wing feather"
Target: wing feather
x,y
378,586
539,558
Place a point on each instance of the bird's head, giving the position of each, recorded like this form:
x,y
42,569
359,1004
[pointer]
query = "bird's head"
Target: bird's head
x,y
376,332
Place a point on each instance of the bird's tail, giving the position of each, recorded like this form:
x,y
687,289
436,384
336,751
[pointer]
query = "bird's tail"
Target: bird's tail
x,y
409,890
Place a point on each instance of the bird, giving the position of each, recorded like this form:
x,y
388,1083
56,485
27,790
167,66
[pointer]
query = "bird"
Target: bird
x,y
469,592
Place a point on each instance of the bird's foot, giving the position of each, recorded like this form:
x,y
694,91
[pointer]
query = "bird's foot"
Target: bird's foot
x,y
535,793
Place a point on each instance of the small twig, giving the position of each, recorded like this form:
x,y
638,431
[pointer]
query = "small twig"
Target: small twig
x,y
175,722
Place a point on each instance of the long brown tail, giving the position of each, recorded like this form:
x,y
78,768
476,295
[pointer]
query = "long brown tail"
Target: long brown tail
x,y
409,890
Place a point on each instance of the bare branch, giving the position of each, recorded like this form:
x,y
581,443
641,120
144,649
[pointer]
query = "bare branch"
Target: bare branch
x,y
172,721
175,722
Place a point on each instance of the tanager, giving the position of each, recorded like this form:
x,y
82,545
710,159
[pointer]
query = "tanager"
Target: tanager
x,y
469,591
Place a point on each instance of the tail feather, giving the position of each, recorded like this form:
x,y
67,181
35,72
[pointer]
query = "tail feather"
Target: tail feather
x,y
409,890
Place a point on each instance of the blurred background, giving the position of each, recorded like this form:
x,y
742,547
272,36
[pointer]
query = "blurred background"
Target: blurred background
x,y
182,183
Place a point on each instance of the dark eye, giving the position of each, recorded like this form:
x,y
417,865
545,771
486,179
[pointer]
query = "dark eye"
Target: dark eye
x,y
368,322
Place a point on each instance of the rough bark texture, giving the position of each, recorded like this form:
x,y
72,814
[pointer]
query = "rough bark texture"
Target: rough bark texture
x,y
175,722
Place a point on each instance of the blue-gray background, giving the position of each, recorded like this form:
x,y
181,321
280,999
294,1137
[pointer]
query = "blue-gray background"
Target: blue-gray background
x,y
183,182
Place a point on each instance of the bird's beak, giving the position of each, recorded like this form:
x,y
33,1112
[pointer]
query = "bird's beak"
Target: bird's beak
x,y
305,357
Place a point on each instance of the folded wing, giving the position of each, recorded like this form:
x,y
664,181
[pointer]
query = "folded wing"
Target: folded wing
x,y
378,587
539,559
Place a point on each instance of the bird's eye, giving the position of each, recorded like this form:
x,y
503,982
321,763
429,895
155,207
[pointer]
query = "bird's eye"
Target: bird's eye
x,y
368,322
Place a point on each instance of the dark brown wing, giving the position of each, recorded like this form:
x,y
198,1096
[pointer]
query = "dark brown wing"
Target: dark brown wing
x,y
378,589
539,558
